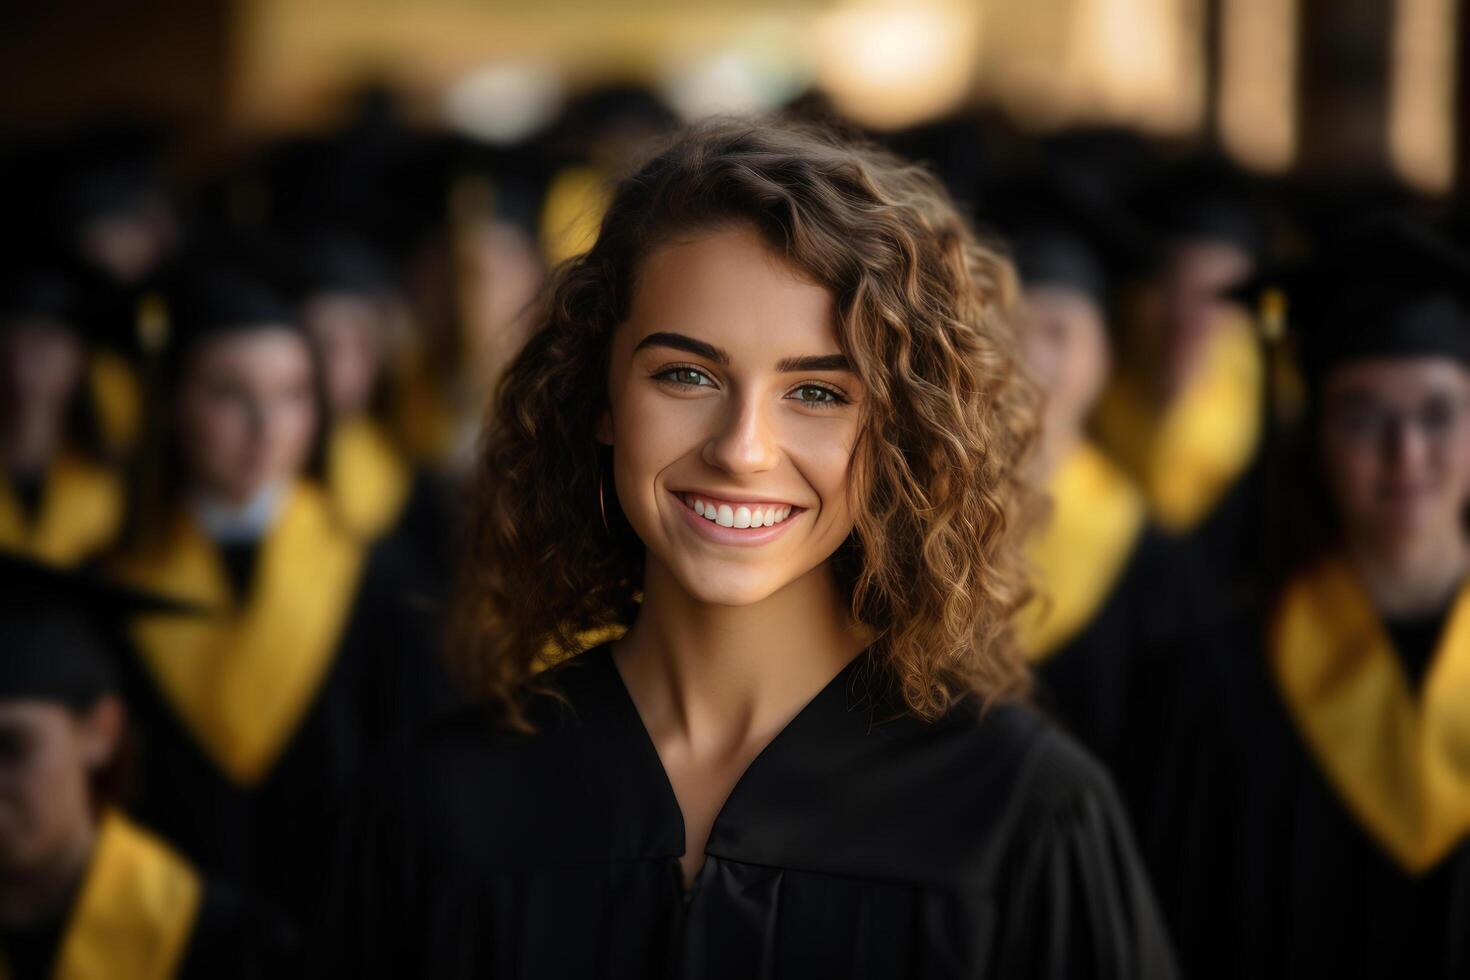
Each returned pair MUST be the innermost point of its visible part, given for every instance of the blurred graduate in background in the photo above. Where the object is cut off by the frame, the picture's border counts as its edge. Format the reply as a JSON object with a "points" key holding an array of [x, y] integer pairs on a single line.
{"points": [[61, 500], [1185, 412], [1336, 730], [1118, 598], [350, 305], [258, 715], [84, 891]]}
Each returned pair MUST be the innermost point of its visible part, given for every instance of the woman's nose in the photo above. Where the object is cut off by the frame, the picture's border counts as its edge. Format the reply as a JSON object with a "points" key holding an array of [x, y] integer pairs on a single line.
{"points": [[744, 442]]}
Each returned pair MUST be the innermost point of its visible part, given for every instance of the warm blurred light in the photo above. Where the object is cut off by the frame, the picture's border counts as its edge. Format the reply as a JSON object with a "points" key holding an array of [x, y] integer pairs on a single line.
{"points": [[1139, 59], [765, 67], [1064, 62], [1258, 66], [892, 64], [1421, 121], [503, 103]]}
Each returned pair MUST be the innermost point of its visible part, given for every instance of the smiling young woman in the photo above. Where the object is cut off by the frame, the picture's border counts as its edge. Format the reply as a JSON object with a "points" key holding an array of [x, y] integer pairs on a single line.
{"points": [[773, 423]]}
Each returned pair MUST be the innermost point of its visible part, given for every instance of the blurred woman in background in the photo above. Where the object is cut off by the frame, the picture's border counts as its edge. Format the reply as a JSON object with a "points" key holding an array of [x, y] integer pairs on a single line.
{"points": [[349, 305], [256, 717], [1338, 836], [1117, 598], [59, 499], [1184, 415]]}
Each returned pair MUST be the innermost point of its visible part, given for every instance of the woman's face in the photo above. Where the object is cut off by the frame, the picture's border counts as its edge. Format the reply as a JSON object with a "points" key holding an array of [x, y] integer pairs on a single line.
{"points": [[1067, 352], [47, 755], [1396, 445], [247, 411], [41, 364], [350, 333], [733, 418]]}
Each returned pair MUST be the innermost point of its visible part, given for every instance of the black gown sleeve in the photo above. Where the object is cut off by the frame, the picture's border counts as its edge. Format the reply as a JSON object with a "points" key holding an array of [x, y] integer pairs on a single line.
{"points": [[1083, 906]]}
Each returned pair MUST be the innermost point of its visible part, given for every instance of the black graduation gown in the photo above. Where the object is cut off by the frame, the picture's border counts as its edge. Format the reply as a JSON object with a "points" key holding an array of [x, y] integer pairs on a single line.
{"points": [[1226, 406], [852, 846], [1261, 864], [1101, 682], [273, 835], [382, 496], [1119, 602]]}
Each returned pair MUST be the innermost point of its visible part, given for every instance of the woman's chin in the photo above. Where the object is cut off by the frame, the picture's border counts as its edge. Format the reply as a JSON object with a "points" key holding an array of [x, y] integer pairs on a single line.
{"points": [[741, 588]]}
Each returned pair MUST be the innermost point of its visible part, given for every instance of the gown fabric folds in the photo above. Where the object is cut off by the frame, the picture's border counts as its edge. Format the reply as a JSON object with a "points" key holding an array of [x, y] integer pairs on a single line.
{"points": [[859, 843]]}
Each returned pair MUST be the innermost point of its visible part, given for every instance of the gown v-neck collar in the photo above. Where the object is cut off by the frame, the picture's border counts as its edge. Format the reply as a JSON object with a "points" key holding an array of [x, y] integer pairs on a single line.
{"points": [[720, 828], [834, 792]]}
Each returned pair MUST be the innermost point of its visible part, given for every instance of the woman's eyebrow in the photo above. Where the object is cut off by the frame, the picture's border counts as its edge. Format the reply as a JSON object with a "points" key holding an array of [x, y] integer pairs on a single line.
{"points": [[822, 362], [679, 341], [689, 345]]}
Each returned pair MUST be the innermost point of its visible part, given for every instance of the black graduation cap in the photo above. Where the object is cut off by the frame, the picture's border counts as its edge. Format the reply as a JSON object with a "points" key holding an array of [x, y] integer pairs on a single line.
{"points": [[55, 288], [327, 261], [1390, 287], [1207, 198], [109, 166], [211, 296], [1063, 232], [59, 630]]}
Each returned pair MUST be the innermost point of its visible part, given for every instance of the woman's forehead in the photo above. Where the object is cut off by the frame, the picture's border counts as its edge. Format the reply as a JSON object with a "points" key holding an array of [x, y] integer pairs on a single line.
{"points": [[1398, 378], [729, 289]]}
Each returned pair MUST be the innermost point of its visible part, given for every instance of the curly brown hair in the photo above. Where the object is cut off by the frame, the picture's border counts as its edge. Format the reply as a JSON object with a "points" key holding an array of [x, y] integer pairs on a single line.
{"points": [[940, 496]]}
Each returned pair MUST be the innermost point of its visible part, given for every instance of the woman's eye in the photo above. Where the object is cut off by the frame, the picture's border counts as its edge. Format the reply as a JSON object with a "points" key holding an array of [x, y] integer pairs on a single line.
{"points": [[818, 395], [686, 377]]}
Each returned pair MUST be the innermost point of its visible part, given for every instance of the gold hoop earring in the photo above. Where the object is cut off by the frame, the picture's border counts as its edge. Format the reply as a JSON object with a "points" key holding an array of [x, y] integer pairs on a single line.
{"points": [[601, 505]]}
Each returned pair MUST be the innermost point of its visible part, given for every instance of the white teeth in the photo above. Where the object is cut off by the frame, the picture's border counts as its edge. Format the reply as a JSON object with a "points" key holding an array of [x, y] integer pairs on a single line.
{"points": [[739, 515]]}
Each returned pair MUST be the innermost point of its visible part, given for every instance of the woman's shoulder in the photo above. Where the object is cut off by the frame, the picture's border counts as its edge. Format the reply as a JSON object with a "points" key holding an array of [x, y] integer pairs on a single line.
{"points": [[853, 790], [468, 784], [566, 707], [1024, 766]]}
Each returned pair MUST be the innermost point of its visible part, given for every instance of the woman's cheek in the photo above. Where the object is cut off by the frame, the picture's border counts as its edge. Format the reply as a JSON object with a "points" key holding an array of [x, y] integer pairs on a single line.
{"points": [[822, 450], [303, 427]]}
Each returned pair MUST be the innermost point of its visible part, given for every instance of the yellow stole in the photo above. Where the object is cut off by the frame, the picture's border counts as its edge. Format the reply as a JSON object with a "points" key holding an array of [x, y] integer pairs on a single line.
{"points": [[1400, 763], [135, 912], [81, 507], [572, 215], [243, 680], [117, 398], [1188, 456], [1096, 519], [367, 477]]}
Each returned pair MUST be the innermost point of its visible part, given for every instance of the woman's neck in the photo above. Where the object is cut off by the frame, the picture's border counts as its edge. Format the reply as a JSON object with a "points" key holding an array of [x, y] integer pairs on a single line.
{"points": [[230, 519], [721, 678], [1415, 575], [1056, 447], [31, 896], [30, 442]]}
